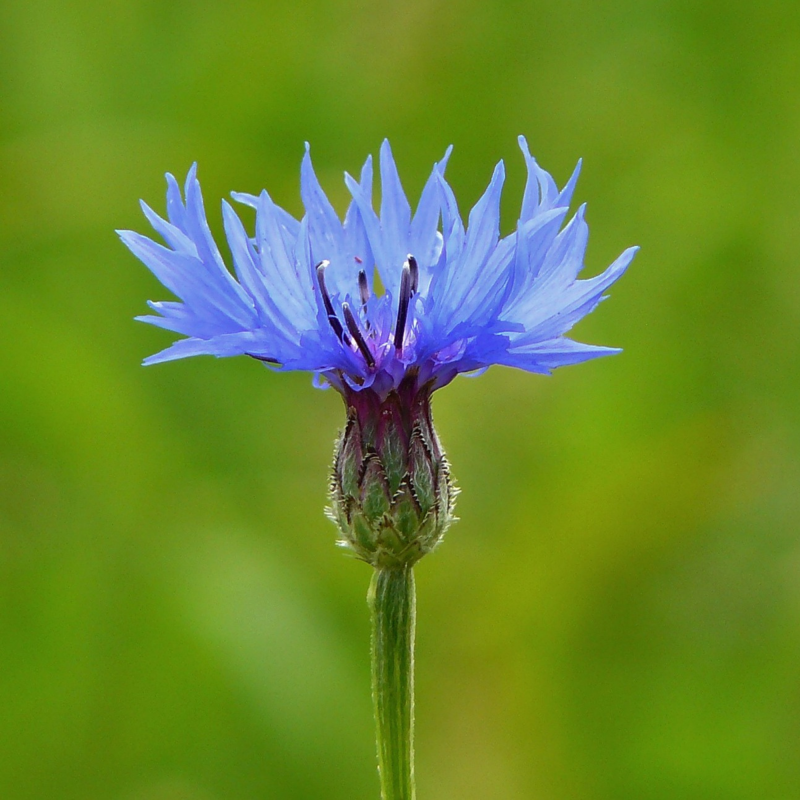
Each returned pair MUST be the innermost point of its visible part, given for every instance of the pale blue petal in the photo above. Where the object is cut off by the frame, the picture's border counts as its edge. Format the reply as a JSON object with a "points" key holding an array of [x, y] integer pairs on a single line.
{"points": [[541, 192], [325, 234], [357, 243], [565, 195], [425, 241], [197, 229], [395, 217], [467, 281], [545, 356]]}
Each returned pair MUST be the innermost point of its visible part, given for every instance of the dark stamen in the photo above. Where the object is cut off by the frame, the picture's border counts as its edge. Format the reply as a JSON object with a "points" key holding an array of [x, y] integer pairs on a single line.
{"points": [[412, 263], [402, 306], [352, 326], [363, 287], [265, 359], [326, 301], [363, 290]]}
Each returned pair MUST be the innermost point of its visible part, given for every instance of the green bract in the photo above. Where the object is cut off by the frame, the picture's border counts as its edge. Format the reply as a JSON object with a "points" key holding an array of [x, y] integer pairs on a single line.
{"points": [[391, 492]]}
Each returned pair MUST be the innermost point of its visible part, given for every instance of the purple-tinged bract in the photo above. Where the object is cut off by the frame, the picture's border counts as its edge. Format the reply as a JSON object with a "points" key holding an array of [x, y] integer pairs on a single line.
{"points": [[303, 296]]}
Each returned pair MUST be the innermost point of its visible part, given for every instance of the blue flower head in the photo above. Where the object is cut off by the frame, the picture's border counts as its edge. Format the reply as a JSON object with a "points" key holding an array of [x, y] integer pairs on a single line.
{"points": [[386, 306], [305, 294]]}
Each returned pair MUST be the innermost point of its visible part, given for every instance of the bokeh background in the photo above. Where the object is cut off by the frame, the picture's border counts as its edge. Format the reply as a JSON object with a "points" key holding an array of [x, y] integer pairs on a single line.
{"points": [[616, 615]]}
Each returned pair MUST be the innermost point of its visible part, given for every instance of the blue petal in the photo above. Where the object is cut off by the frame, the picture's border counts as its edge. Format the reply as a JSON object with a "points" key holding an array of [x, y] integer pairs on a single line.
{"points": [[244, 262], [355, 231], [545, 356], [564, 260], [541, 192], [176, 211], [565, 196], [324, 229], [289, 289], [483, 230], [425, 241], [395, 219], [285, 218], [372, 226], [533, 239], [185, 277], [197, 229], [232, 344], [171, 234], [546, 314], [467, 281], [178, 317]]}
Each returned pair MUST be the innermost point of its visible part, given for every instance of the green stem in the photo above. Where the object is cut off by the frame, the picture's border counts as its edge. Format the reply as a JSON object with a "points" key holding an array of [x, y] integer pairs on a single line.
{"points": [[392, 601]]}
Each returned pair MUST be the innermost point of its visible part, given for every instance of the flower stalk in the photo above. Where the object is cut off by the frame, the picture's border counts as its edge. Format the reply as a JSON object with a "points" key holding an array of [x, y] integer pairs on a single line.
{"points": [[392, 498], [392, 602]]}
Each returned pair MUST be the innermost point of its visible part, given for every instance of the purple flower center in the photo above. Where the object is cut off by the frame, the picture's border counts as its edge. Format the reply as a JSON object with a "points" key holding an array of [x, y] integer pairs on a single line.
{"points": [[350, 333]]}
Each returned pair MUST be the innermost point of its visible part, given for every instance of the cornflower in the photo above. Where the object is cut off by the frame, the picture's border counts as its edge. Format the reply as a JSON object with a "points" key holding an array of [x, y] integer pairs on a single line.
{"points": [[307, 295]]}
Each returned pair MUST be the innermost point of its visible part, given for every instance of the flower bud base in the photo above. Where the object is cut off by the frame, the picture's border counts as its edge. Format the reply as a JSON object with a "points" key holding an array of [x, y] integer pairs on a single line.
{"points": [[391, 493]]}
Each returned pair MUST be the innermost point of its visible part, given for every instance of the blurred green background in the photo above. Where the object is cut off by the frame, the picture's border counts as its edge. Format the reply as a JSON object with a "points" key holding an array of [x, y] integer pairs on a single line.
{"points": [[616, 615]]}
